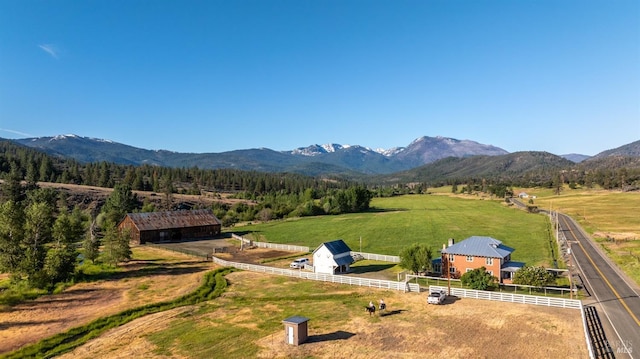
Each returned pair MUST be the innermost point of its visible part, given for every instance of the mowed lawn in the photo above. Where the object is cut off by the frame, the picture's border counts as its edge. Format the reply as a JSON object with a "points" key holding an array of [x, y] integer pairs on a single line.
{"points": [[397, 222]]}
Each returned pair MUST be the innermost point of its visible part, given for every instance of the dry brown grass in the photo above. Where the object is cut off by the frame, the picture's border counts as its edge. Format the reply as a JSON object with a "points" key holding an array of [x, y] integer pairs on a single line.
{"points": [[465, 328], [176, 274]]}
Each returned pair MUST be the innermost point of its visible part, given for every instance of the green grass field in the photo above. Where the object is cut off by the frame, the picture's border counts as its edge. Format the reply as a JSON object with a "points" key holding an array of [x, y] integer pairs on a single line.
{"points": [[397, 222]]}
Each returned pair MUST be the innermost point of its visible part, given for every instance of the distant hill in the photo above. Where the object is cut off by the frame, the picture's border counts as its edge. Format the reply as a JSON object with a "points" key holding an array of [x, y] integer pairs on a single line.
{"points": [[517, 165], [575, 158], [426, 150], [630, 150], [337, 159], [617, 168]]}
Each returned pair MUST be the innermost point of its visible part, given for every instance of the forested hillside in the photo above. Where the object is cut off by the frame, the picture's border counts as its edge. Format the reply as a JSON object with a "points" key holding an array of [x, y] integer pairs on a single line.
{"points": [[275, 195]]}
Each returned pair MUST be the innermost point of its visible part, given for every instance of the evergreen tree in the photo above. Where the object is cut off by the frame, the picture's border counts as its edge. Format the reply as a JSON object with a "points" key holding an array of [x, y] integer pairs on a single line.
{"points": [[120, 202], [37, 233], [116, 246], [11, 237], [91, 244], [60, 262]]}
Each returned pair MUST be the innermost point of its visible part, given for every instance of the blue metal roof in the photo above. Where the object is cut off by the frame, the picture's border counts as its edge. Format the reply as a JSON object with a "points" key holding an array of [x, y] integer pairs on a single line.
{"points": [[479, 246], [337, 247], [344, 260]]}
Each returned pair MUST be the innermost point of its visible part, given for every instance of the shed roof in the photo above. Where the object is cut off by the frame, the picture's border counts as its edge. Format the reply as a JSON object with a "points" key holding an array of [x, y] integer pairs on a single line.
{"points": [[479, 246], [296, 319], [173, 219], [336, 247]]}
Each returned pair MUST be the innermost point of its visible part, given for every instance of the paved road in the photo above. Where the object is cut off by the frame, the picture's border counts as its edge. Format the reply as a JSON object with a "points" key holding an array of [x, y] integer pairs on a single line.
{"points": [[615, 296]]}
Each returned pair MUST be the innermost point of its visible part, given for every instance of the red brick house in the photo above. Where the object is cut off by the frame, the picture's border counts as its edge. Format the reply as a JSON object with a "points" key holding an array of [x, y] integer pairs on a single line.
{"points": [[170, 226], [475, 252]]}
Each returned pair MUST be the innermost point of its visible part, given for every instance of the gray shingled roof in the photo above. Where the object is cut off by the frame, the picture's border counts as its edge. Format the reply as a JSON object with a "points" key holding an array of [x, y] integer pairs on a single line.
{"points": [[336, 247], [479, 246], [173, 219]]}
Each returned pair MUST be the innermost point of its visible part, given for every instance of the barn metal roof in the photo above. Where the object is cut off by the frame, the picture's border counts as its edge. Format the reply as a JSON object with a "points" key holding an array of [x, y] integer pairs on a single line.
{"points": [[150, 221], [336, 247], [479, 246], [343, 260]]}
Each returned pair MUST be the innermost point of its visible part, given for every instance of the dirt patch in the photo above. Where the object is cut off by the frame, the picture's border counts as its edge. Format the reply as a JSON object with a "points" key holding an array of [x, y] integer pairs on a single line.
{"points": [[165, 275], [256, 256]]}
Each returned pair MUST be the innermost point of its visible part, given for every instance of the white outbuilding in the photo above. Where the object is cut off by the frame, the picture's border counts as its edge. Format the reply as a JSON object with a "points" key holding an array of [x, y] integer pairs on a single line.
{"points": [[332, 258]]}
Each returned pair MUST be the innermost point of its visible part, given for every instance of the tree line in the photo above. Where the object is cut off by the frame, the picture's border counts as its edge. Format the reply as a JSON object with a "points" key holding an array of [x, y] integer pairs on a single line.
{"points": [[40, 237], [617, 173]]}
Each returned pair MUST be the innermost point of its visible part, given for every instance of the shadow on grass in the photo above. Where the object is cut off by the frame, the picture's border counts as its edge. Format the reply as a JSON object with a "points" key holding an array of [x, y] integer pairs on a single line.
{"points": [[370, 268], [9, 325], [450, 299], [73, 295], [386, 313], [382, 210], [337, 335]]}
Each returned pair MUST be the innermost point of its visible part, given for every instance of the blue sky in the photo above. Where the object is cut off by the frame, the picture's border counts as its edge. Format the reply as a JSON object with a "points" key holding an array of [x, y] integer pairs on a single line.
{"points": [[214, 76]]}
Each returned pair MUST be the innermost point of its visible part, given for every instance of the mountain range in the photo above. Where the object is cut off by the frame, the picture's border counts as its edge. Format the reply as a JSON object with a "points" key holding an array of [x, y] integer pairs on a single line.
{"points": [[460, 156]]}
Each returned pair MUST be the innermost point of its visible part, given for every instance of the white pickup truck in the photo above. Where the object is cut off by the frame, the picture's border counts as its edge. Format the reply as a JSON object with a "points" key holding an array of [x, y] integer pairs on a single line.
{"points": [[436, 297]]}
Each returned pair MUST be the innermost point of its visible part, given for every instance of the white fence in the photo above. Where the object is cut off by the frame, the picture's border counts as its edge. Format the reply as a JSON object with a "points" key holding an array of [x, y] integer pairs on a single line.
{"points": [[377, 257], [284, 247], [512, 298], [364, 282], [502, 287]]}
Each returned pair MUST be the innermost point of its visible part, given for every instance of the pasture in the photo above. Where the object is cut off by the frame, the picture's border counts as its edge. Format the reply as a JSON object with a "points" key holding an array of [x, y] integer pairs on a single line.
{"points": [[611, 218], [246, 322], [397, 222]]}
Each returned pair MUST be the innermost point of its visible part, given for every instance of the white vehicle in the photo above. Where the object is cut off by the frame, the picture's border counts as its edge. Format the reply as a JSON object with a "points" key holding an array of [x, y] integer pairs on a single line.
{"points": [[299, 263], [436, 297]]}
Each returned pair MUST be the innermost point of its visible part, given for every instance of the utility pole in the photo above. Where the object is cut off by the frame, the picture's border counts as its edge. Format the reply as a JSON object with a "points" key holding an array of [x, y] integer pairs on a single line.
{"points": [[570, 276], [445, 266], [360, 244]]}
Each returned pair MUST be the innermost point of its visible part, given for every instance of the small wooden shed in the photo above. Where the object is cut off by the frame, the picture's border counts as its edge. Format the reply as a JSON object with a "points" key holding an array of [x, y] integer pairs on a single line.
{"points": [[296, 330]]}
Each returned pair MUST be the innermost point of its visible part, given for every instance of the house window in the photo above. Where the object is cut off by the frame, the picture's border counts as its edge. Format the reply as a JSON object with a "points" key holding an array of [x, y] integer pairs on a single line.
{"points": [[490, 272], [489, 261], [451, 257], [468, 270], [469, 258], [452, 270]]}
